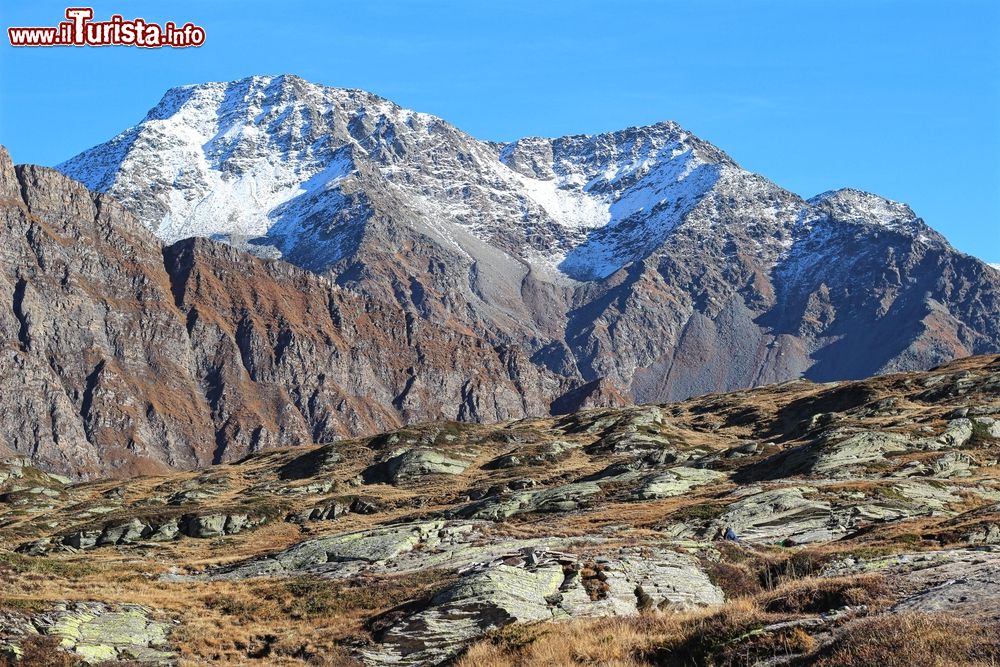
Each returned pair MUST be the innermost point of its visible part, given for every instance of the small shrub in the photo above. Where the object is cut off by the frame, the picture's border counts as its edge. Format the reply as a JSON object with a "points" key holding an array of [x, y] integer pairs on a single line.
{"points": [[737, 580], [41, 651], [815, 595]]}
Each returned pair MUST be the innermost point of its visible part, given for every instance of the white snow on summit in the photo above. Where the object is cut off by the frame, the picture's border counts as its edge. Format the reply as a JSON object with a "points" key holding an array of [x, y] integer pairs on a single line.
{"points": [[248, 159], [864, 207], [296, 169]]}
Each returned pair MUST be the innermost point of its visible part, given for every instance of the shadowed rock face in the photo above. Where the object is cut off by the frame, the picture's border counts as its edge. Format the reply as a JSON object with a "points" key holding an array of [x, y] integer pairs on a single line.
{"points": [[644, 262], [121, 356]]}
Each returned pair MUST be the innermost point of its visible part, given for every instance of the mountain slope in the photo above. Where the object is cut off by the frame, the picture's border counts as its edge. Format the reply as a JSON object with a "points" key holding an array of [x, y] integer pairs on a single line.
{"points": [[122, 356], [645, 258]]}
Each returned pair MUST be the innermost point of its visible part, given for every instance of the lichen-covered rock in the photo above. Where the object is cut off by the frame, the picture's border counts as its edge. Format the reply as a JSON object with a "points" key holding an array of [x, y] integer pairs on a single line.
{"points": [[128, 532], [989, 426], [565, 498], [324, 512], [635, 580], [412, 465], [363, 546], [479, 602], [535, 585], [835, 454], [536, 455], [675, 482], [96, 632], [961, 581], [218, 524], [784, 515], [956, 434], [926, 496], [946, 466]]}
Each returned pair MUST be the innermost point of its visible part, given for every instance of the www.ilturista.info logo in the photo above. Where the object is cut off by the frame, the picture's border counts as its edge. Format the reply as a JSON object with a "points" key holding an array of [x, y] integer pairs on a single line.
{"points": [[81, 30]]}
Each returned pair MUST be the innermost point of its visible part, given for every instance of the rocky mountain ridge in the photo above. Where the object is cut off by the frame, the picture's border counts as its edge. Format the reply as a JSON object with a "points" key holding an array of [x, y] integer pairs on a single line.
{"points": [[645, 259], [123, 356]]}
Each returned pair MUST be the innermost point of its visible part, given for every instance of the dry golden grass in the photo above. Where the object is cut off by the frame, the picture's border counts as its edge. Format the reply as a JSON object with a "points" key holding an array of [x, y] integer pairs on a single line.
{"points": [[905, 640], [728, 635], [619, 642], [734, 636]]}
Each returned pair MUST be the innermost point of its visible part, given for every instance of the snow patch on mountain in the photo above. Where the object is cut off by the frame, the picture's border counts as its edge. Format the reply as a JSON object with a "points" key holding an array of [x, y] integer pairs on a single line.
{"points": [[292, 169], [859, 207], [262, 161]]}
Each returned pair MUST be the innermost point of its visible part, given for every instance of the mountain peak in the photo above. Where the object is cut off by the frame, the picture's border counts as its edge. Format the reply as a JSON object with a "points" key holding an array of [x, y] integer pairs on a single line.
{"points": [[235, 160], [858, 206]]}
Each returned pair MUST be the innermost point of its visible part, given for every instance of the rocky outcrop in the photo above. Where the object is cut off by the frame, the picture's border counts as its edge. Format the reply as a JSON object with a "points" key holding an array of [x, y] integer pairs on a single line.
{"points": [[479, 602], [157, 529], [93, 632], [949, 580], [836, 453], [566, 498], [411, 465], [782, 516], [539, 585], [674, 482]]}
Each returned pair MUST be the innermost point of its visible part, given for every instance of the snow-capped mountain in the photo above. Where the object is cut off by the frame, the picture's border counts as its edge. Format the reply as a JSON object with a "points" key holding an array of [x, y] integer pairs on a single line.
{"points": [[266, 160], [646, 257]]}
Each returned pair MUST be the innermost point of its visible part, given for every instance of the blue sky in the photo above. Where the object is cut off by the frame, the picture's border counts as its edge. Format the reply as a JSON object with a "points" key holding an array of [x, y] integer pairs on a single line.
{"points": [[901, 98]]}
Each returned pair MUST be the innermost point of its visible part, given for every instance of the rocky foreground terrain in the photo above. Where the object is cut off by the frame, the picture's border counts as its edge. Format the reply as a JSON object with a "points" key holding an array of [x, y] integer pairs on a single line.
{"points": [[867, 512]]}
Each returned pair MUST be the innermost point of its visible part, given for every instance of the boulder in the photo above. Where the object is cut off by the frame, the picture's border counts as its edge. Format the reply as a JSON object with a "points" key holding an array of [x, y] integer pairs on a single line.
{"points": [[83, 539], [322, 512], [781, 516], [411, 465], [165, 531], [97, 633], [128, 532], [675, 482], [565, 498], [984, 534], [209, 525]]}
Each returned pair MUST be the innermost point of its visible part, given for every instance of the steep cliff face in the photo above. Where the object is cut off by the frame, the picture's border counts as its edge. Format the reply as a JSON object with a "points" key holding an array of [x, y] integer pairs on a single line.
{"points": [[121, 356], [644, 258]]}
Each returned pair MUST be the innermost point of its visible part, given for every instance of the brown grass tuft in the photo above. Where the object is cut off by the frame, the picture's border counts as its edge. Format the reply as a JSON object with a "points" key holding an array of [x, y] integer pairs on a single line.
{"points": [[902, 640], [817, 594]]}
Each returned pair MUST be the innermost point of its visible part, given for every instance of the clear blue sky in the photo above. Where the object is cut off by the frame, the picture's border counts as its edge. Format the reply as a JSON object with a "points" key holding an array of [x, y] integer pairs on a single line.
{"points": [[901, 98]]}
